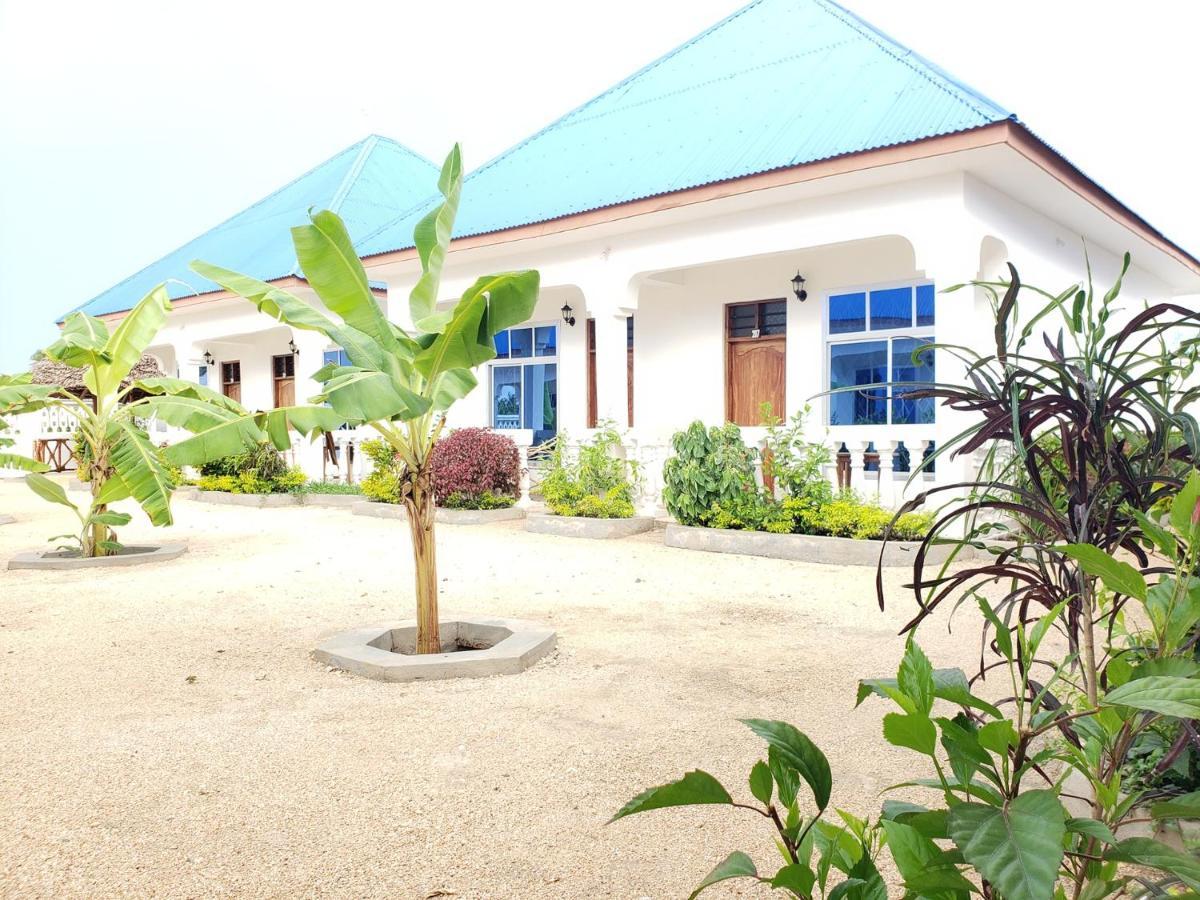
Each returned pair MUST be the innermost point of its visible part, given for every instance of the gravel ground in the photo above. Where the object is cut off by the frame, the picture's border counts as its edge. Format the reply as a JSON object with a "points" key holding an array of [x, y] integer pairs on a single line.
{"points": [[165, 733]]}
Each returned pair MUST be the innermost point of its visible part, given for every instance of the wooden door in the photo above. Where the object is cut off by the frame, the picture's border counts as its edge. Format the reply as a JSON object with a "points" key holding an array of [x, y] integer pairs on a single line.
{"points": [[591, 371], [756, 373], [284, 370], [231, 380]]}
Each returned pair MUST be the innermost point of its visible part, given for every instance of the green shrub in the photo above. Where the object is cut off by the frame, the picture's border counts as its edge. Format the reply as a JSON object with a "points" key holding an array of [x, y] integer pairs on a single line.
{"points": [[845, 516], [250, 482], [710, 466], [382, 484], [599, 484], [796, 464], [486, 500], [331, 487]]}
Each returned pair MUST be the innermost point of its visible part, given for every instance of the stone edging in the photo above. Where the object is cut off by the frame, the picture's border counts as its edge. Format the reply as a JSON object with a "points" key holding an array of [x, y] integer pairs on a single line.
{"points": [[516, 645], [46, 560], [442, 516], [595, 529], [813, 548], [273, 501]]}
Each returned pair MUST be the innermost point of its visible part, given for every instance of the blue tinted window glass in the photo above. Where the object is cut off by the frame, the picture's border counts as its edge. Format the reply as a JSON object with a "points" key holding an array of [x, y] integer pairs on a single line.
{"points": [[847, 312], [892, 308], [330, 356], [541, 401], [202, 376], [906, 371], [925, 304], [858, 364], [545, 340], [506, 397], [501, 341], [521, 343]]}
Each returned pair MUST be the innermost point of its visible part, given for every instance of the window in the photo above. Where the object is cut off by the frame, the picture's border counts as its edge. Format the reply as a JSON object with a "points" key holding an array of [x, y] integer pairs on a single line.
{"points": [[875, 338], [337, 357], [202, 376], [755, 360], [231, 380], [524, 381], [284, 370]]}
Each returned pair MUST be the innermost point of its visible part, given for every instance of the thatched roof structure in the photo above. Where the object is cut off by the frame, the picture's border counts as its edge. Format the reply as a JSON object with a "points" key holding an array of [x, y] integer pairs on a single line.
{"points": [[47, 371]]}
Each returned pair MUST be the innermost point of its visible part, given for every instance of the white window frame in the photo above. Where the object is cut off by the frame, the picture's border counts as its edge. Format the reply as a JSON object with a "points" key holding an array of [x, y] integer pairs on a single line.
{"points": [[919, 332], [493, 364]]}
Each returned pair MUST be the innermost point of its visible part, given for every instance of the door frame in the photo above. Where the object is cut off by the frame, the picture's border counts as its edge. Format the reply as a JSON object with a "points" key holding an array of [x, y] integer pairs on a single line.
{"points": [[276, 380], [730, 340], [224, 384]]}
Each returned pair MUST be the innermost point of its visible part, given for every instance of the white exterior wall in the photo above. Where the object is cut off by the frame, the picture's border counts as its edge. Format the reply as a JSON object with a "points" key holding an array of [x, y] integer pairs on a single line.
{"points": [[676, 269]]}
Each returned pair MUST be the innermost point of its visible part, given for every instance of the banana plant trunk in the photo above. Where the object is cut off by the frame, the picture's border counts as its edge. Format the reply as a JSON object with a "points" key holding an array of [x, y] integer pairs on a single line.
{"points": [[96, 535], [419, 504]]}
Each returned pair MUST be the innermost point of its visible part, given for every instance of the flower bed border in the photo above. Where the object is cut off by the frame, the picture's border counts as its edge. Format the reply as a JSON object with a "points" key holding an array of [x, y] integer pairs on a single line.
{"points": [[593, 529], [274, 501], [812, 548], [443, 516]]}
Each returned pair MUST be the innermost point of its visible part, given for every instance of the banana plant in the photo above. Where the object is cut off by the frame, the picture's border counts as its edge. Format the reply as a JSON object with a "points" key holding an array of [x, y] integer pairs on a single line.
{"points": [[398, 383], [116, 455]]}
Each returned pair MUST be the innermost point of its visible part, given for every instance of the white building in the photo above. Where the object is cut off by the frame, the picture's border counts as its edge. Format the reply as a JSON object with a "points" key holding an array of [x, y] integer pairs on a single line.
{"points": [[672, 213]]}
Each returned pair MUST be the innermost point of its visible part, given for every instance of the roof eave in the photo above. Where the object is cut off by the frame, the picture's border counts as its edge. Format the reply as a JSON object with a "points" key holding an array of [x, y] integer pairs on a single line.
{"points": [[1007, 132]]}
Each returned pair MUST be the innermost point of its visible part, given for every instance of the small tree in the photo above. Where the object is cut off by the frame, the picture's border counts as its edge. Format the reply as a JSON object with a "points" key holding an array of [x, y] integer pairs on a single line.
{"points": [[399, 384], [121, 460]]}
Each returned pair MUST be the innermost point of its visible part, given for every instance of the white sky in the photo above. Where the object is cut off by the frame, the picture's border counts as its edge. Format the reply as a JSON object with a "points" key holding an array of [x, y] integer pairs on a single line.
{"points": [[129, 127]]}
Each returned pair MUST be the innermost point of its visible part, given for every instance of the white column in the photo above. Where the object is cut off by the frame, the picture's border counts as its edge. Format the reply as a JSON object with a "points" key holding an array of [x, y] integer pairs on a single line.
{"points": [[857, 473], [612, 392], [189, 358], [887, 484], [950, 255]]}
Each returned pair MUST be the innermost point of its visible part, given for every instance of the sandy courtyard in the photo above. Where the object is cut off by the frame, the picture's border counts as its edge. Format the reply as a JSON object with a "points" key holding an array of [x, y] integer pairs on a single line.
{"points": [[163, 731]]}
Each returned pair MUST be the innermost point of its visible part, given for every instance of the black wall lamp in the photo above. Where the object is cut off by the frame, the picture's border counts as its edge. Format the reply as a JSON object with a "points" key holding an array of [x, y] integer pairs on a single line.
{"points": [[208, 358], [292, 346], [567, 314], [798, 288]]}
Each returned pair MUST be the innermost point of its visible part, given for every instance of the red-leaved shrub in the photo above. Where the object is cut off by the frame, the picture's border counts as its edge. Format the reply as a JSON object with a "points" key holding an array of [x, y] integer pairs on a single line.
{"points": [[474, 460]]}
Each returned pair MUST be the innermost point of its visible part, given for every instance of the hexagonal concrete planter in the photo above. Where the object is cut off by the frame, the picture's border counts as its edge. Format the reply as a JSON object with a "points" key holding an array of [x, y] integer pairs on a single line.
{"points": [[443, 516], [596, 529], [836, 551], [474, 647], [129, 556]]}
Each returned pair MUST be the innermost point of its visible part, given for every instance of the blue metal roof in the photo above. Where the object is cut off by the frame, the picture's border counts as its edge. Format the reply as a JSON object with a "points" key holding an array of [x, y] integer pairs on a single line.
{"points": [[776, 84], [367, 184]]}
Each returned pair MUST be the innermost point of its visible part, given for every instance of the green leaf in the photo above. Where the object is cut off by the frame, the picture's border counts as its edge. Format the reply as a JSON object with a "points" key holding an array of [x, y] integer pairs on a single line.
{"points": [[787, 779], [1119, 577], [49, 490], [81, 342], [1184, 504], [307, 420], [693, 789], [130, 340], [21, 463], [184, 412], [1000, 631], [939, 880], [363, 396], [1156, 855], [331, 265], [915, 678], [227, 439], [491, 304], [1166, 694], [736, 865], [1018, 848], [912, 731], [761, 783], [1159, 536], [911, 850], [138, 464], [111, 518], [1092, 828], [948, 684], [432, 240], [797, 878], [998, 736], [797, 751], [1186, 806]]}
